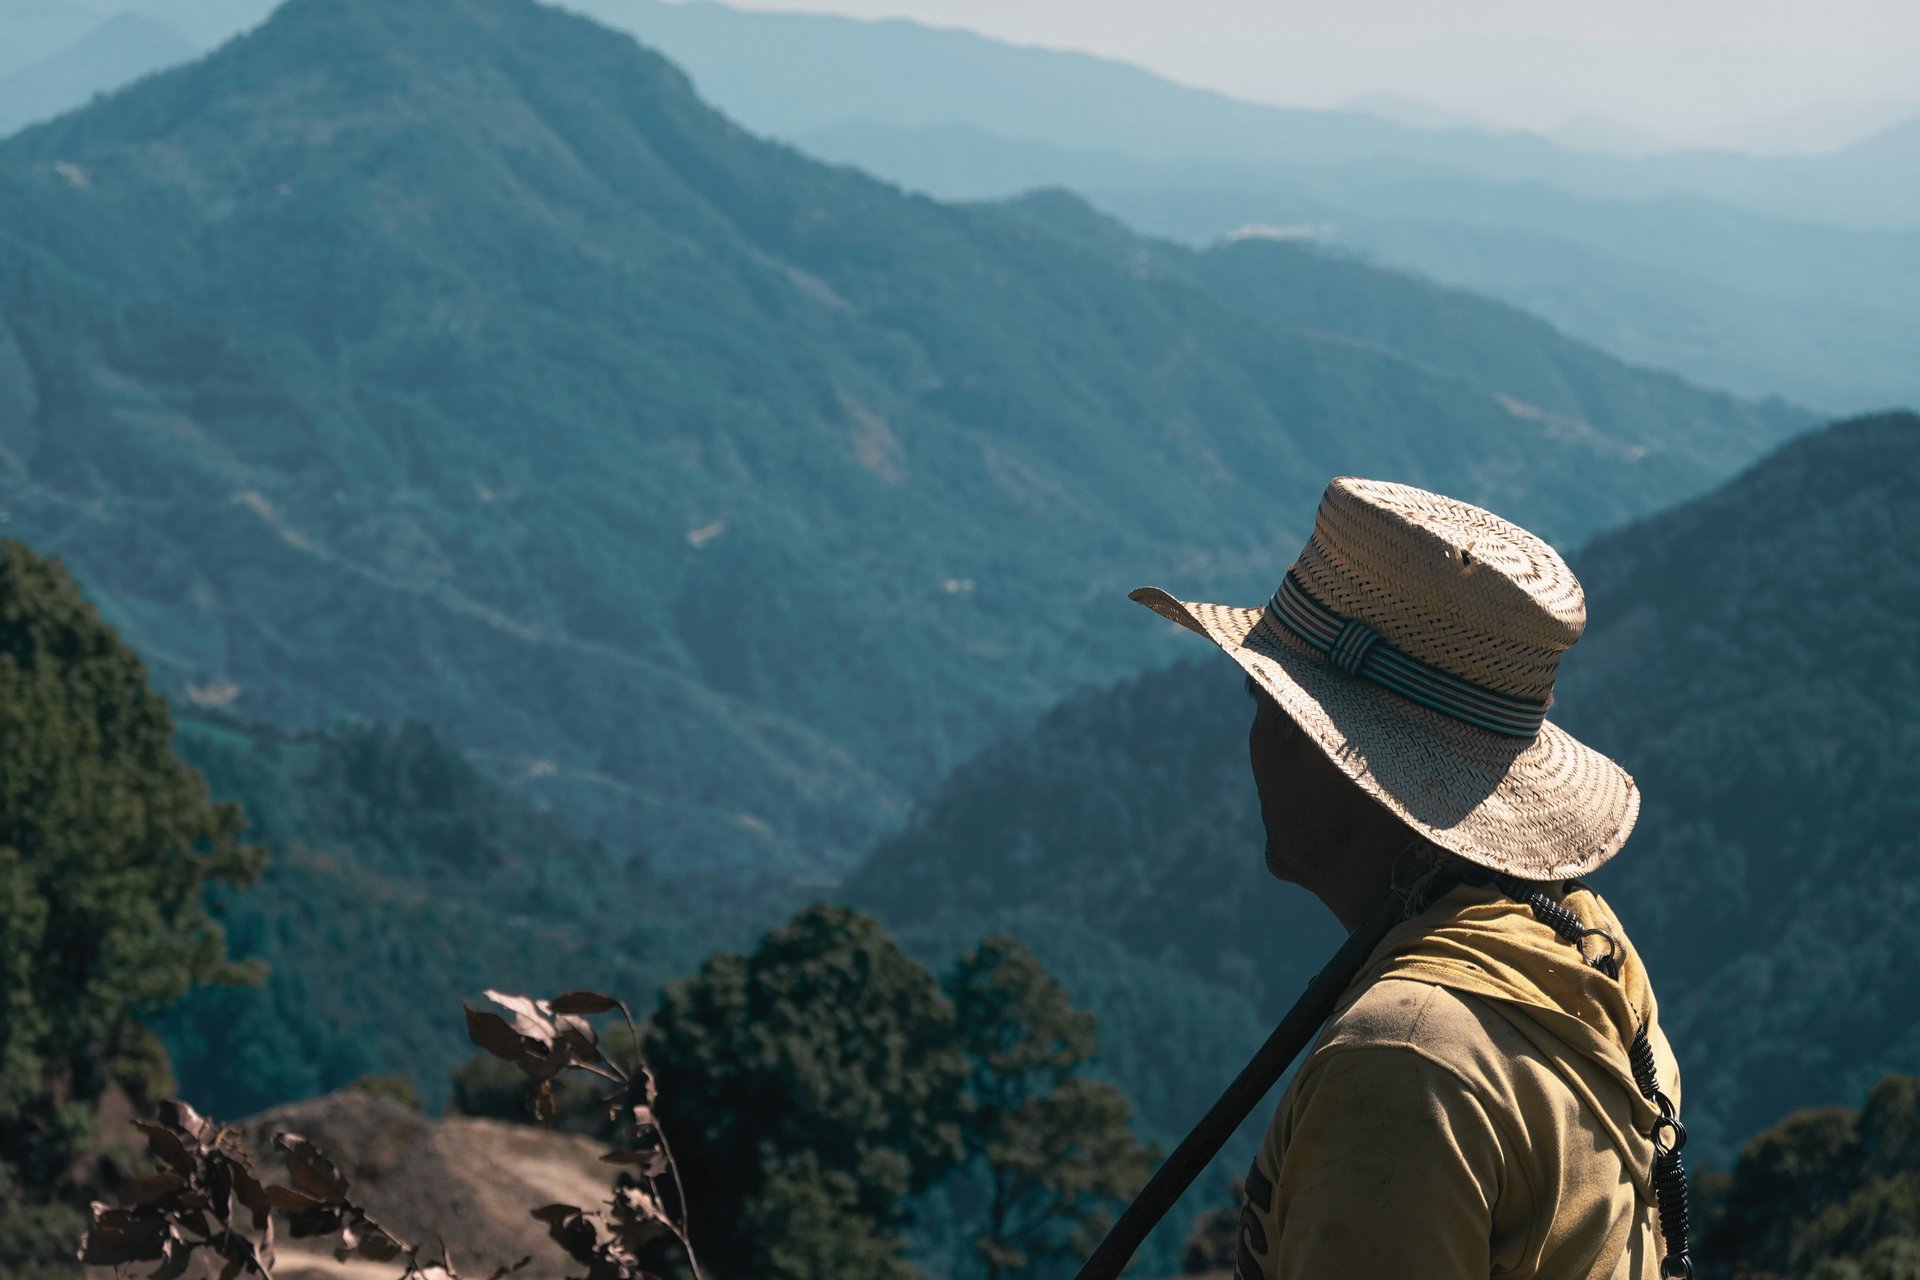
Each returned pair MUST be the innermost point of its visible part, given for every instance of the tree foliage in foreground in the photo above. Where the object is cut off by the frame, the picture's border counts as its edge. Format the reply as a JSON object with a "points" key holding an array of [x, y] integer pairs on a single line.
{"points": [[1056, 1149], [809, 1089], [1828, 1194], [813, 1087], [106, 841], [1213, 1243]]}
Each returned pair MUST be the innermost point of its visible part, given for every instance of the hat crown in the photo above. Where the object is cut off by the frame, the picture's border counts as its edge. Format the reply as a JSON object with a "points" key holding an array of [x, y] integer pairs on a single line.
{"points": [[1450, 584]]}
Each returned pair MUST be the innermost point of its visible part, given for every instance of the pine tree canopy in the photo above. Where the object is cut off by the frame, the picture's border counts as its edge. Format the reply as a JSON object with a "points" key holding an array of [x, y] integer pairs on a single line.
{"points": [[106, 841]]}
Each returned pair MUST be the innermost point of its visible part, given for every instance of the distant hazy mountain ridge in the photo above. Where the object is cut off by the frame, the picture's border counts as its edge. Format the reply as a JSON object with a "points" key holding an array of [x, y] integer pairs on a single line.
{"points": [[1783, 274], [120, 50], [911, 76]]}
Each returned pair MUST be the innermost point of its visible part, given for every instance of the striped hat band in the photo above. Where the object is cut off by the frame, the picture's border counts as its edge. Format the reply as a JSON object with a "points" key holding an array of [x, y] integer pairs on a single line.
{"points": [[1356, 649]]}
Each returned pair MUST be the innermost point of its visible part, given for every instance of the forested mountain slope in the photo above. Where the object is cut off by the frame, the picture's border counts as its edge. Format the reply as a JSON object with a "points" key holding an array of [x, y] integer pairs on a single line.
{"points": [[1749, 660], [1753, 662], [1562, 387], [452, 360], [400, 881]]}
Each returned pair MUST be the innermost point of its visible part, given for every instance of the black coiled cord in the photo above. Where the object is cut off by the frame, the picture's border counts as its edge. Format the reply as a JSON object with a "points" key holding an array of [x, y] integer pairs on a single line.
{"points": [[1669, 1168], [1670, 1193], [1645, 1073], [1563, 922], [1668, 1134]]}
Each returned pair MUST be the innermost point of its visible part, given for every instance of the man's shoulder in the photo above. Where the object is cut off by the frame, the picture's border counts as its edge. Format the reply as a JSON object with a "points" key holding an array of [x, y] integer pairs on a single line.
{"points": [[1455, 1029]]}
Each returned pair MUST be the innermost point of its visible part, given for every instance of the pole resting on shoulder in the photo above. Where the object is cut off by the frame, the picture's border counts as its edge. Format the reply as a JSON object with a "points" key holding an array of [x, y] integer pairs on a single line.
{"points": [[1171, 1180]]}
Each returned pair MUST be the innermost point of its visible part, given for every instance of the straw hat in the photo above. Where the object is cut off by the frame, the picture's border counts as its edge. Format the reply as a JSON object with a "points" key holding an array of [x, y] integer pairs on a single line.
{"points": [[1415, 640]]}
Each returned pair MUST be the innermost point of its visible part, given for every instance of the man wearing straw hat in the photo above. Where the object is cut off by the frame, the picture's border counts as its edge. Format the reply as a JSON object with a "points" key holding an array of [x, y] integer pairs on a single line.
{"points": [[1493, 1094]]}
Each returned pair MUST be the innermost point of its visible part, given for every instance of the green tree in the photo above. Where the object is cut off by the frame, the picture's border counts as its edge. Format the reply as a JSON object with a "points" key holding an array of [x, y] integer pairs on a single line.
{"points": [[1896, 1259], [1056, 1147], [807, 1221], [1213, 1245], [816, 1083], [106, 842], [1830, 1194]]}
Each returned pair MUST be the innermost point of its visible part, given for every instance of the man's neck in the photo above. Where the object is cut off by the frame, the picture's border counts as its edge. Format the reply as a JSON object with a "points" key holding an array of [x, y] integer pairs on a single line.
{"points": [[1352, 886]]}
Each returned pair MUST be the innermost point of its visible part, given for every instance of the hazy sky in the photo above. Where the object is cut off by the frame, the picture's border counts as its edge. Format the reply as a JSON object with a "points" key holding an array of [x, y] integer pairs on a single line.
{"points": [[1677, 69]]}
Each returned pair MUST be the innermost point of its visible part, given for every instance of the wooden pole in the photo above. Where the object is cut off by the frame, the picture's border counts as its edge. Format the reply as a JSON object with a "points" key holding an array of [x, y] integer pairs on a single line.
{"points": [[1199, 1147]]}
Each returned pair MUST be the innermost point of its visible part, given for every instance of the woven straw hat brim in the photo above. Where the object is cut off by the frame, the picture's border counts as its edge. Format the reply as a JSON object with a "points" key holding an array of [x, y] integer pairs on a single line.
{"points": [[1546, 808]]}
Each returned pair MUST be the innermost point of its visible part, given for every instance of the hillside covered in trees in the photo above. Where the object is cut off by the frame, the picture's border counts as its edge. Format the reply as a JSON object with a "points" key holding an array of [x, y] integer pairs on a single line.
{"points": [[1749, 659], [453, 361], [1830, 1193], [107, 842], [400, 879], [1753, 663]]}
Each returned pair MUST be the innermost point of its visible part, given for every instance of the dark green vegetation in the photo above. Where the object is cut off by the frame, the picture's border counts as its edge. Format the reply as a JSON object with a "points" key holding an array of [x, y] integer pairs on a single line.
{"points": [[452, 361], [1786, 275], [106, 840], [808, 1089], [1051, 1149], [400, 880], [814, 1087], [1750, 659], [811, 1088], [1120, 841], [1832, 1194], [1754, 660]]}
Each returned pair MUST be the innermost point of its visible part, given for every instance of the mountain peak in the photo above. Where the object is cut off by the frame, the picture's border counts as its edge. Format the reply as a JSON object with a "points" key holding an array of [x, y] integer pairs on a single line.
{"points": [[353, 120], [333, 67], [524, 40], [421, 26]]}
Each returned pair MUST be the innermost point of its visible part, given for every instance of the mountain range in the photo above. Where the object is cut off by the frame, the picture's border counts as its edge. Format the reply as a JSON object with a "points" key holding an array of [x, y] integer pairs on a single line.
{"points": [[1749, 660], [911, 76], [722, 498], [1778, 275], [1783, 273]]}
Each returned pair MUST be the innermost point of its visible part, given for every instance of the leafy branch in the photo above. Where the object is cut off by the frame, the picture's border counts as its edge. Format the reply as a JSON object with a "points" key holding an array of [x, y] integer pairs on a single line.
{"points": [[207, 1199], [547, 1037]]}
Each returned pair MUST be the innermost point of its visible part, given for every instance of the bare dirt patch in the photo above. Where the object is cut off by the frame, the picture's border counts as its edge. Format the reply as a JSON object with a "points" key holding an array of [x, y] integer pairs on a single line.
{"points": [[466, 1181]]}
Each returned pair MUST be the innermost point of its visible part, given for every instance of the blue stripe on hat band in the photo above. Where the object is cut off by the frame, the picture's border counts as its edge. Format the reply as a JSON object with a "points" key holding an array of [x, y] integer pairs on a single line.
{"points": [[1353, 647]]}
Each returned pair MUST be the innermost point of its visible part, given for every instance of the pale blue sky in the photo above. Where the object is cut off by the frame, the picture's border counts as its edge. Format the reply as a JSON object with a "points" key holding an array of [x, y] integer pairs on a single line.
{"points": [[1680, 70]]}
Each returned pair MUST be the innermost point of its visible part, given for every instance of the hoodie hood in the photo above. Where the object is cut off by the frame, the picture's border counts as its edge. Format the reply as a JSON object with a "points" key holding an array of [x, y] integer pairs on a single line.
{"points": [[1478, 941]]}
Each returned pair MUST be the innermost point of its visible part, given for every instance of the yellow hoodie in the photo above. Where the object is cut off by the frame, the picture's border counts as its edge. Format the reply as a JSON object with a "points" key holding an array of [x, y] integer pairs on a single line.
{"points": [[1469, 1111]]}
